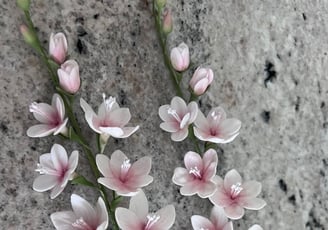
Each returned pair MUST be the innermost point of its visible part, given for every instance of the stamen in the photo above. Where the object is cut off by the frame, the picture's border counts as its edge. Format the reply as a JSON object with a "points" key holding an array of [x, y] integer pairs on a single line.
{"points": [[152, 219], [81, 224], [125, 167], [236, 189], [108, 102], [34, 108], [184, 120], [40, 169], [196, 172], [216, 115], [174, 113]]}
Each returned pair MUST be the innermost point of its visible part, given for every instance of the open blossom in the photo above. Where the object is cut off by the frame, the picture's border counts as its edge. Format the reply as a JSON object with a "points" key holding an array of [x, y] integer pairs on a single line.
{"points": [[180, 57], [83, 216], [69, 76], [58, 47], [201, 79], [256, 227], [199, 174], [177, 117], [234, 195], [122, 176], [137, 216], [52, 118], [55, 169], [110, 120], [216, 127], [217, 221]]}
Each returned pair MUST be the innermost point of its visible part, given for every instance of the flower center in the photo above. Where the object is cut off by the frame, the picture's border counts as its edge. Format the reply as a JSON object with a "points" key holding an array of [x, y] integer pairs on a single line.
{"points": [[109, 102], [235, 190], [42, 170], [125, 166], [81, 224], [196, 172], [174, 114], [152, 219]]}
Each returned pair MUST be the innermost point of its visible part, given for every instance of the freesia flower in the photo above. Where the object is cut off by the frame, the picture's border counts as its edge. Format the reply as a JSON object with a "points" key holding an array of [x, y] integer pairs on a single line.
{"points": [[216, 128], [69, 77], [177, 117], [256, 227], [55, 169], [110, 120], [122, 176], [138, 218], [58, 47], [199, 174], [51, 116], [201, 79], [234, 195], [83, 216], [180, 57], [217, 221]]}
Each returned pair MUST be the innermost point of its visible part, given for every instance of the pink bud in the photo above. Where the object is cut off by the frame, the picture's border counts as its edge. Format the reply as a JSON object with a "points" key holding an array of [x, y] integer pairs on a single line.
{"points": [[201, 79], [58, 47], [69, 77], [180, 57], [27, 34], [167, 22]]}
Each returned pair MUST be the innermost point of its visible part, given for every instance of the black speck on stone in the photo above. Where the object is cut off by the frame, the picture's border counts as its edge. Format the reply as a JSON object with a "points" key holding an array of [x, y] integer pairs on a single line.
{"points": [[322, 104], [79, 20], [81, 31], [11, 154], [80, 46], [304, 16], [325, 163], [266, 116], [122, 97], [292, 199], [283, 185], [96, 16], [313, 222], [322, 173], [271, 74], [297, 104], [4, 127]]}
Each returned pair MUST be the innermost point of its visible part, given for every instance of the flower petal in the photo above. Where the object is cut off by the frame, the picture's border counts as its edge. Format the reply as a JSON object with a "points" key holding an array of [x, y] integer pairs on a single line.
{"points": [[116, 162], [163, 113], [139, 205], [128, 131], [234, 212], [193, 110], [253, 203], [59, 157], [220, 197], [200, 222], [40, 130], [128, 220], [44, 182], [251, 189], [206, 189], [61, 127], [189, 189], [170, 126], [103, 165], [101, 213], [192, 160], [63, 220], [113, 131], [210, 161], [180, 135], [231, 178], [229, 127], [73, 161], [218, 217], [55, 191], [44, 112], [120, 117], [140, 167], [215, 116], [255, 227], [181, 176], [179, 105], [167, 218], [83, 209], [58, 104]]}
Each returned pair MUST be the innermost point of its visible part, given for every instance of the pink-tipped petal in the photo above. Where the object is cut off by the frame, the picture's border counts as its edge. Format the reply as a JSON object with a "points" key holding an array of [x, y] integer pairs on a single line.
{"points": [[179, 105], [201, 86], [116, 161], [218, 217], [101, 212], [210, 161], [58, 104], [140, 167], [200, 222], [231, 178], [40, 130], [59, 157], [206, 190], [180, 135], [170, 126], [57, 190], [83, 209], [192, 159], [44, 182], [139, 205], [127, 220], [61, 128], [234, 212], [220, 198], [44, 114]]}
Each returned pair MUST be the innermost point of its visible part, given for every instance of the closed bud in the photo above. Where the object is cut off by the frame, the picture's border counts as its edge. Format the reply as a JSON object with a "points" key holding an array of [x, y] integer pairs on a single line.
{"points": [[167, 22], [160, 3], [24, 4], [28, 35], [58, 47], [201, 79], [180, 57], [69, 76]]}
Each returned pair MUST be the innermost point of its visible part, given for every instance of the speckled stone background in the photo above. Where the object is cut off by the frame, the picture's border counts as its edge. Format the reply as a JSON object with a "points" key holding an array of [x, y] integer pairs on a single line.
{"points": [[271, 65]]}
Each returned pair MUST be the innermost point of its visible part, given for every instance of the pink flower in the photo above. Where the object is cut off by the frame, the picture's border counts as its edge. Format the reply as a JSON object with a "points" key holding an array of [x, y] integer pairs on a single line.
{"points": [[58, 47], [56, 170], [138, 218], [177, 117], [51, 117], [83, 216], [256, 227], [122, 176], [217, 221], [234, 195], [69, 77], [180, 57], [201, 79], [110, 119], [216, 128], [199, 174]]}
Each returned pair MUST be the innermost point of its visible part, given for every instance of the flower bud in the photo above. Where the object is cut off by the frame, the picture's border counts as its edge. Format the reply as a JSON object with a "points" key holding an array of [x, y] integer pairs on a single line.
{"points": [[201, 79], [160, 3], [58, 47], [167, 22], [23, 4], [69, 77], [28, 35], [180, 57]]}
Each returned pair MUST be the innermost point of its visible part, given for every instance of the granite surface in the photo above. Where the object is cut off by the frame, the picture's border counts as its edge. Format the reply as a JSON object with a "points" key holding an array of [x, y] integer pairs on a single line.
{"points": [[270, 63]]}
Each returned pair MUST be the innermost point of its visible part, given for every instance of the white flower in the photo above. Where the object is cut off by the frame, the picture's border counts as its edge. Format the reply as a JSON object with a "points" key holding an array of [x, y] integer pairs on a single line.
{"points": [[180, 57], [51, 116], [55, 169], [83, 216], [201, 79], [69, 76], [58, 47]]}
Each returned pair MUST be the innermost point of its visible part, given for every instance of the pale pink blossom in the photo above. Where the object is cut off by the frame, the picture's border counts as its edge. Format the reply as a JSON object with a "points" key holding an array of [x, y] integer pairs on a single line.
{"points": [[69, 76], [52, 118], [256, 227], [177, 117], [110, 120], [122, 176], [201, 79], [83, 216], [234, 195], [217, 221], [180, 57], [58, 47], [199, 175], [216, 127], [137, 217], [56, 170]]}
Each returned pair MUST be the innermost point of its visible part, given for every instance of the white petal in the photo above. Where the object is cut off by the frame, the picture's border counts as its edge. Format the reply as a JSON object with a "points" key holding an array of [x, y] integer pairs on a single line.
{"points": [[61, 128], [169, 126], [45, 114], [102, 162], [139, 205], [59, 157], [116, 162], [192, 159], [120, 117], [181, 176], [128, 131], [179, 105], [229, 127], [200, 222], [58, 104], [253, 203], [180, 135], [83, 209], [167, 218], [44, 182], [234, 212], [101, 212], [251, 189], [256, 227], [127, 220], [193, 109], [206, 190], [163, 113], [86, 107], [231, 178], [40, 130], [112, 131], [63, 220], [141, 167], [55, 191], [218, 217], [73, 161]]}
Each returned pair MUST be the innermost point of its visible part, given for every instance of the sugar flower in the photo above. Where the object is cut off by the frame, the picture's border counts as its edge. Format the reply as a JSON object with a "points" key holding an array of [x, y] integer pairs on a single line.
{"points": [[58, 47], [83, 216], [122, 176], [180, 57], [216, 128], [201, 79], [217, 221], [199, 174], [52, 118], [256, 227], [138, 218], [177, 117], [55, 169], [234, 195], [110, 120], [69, 77]]}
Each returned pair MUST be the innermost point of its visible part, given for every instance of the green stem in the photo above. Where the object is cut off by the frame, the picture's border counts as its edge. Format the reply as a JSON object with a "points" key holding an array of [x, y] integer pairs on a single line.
{"points": [[209, 145], [192, 136]]}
